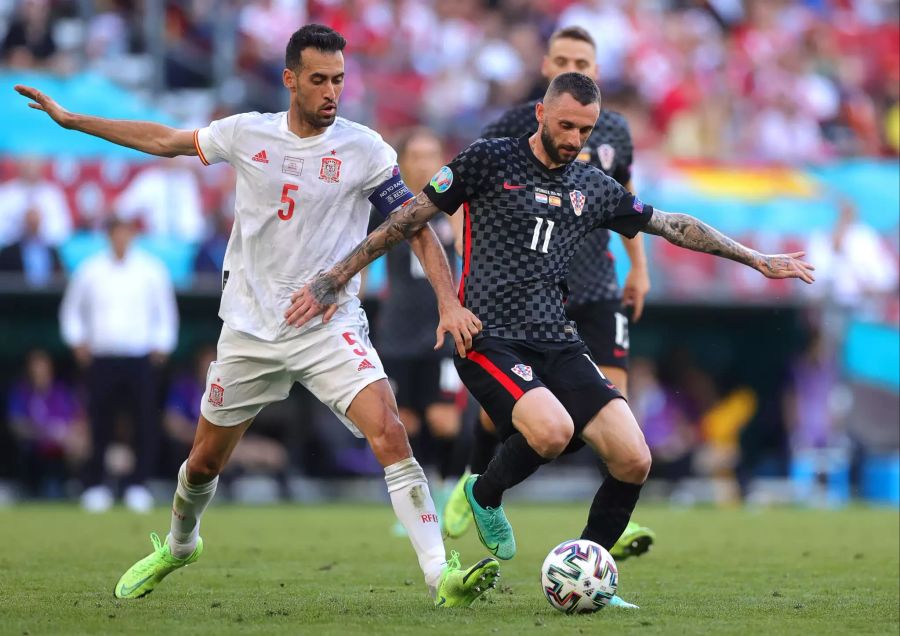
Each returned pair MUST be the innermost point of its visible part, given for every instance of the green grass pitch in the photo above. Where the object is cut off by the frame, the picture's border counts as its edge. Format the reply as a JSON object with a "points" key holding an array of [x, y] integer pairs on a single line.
{"points": [[337, 570]]}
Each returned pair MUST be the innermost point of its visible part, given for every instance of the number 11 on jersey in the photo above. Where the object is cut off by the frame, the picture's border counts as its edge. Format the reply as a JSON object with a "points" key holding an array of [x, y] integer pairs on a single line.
{"points": [[286, 197], [536, 239]]}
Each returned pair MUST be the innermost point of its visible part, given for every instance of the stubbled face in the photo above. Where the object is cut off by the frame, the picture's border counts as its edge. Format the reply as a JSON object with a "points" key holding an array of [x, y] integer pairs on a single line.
{"points": [[316, 86], [422, 157], [564, 125], [566, 55]]}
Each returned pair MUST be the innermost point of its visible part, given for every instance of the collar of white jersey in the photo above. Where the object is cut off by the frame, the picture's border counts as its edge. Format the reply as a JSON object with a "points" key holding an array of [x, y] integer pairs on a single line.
{"points": [[304, 141]]}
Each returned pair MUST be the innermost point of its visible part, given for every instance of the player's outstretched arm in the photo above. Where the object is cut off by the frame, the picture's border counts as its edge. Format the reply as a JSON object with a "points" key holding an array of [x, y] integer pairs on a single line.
{"points": [[691, 233], [320, 294], [149, 137]]}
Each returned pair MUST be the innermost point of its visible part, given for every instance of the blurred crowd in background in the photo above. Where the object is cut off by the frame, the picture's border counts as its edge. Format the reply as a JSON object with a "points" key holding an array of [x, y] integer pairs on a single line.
{"points": [[798, 83]]}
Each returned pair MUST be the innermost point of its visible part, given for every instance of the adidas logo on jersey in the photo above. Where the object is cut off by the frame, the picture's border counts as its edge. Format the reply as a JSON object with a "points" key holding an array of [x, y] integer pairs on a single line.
{"points": [[261, 157], [365, 364]]}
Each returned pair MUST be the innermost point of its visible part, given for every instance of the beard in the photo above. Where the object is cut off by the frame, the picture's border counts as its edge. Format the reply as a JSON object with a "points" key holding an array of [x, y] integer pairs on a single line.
{"points": [[552, 149], [318, 120]]}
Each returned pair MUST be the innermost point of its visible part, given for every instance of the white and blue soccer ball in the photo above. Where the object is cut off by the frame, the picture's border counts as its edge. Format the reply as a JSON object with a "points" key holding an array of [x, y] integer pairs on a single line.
{"points": [[579, 577]]}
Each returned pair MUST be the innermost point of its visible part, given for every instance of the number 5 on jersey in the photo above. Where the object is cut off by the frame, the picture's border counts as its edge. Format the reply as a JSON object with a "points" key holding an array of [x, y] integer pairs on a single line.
{"points": [[286, 197]]}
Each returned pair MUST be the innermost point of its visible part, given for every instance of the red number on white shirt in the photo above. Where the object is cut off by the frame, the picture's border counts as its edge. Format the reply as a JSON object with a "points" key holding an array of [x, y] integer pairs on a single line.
{"points": [[285, 215], [348, 336]]}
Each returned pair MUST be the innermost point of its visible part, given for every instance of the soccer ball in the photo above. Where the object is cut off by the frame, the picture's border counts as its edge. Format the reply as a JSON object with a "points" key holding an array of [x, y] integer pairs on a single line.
{"points": [[579, 576]]}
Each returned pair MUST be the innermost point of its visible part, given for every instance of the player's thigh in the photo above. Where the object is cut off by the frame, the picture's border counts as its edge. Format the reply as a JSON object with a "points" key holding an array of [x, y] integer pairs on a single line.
{"points": [[618, 376], [580, 386], [617, 438], [341, 368], [247, 375], [501, 375], [487, 373]]}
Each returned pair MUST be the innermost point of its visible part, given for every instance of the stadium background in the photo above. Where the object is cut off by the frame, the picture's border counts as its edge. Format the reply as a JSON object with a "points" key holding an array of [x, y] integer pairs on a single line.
{"points": [[769, 119]]}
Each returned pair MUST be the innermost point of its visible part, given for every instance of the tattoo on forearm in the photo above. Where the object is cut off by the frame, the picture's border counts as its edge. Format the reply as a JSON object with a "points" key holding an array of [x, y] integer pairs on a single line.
{"points": [[398, 227], [691, 233]]}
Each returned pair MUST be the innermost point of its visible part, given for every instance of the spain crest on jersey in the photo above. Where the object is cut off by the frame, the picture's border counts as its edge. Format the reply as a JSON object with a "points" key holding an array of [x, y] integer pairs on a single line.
{"points": [[216, 395], [578, 201], [330, 171]]}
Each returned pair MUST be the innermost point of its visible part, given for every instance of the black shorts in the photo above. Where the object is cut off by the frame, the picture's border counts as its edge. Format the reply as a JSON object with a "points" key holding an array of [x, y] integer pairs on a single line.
{"points": [[499, 371], [417, 382], [603, 326]]}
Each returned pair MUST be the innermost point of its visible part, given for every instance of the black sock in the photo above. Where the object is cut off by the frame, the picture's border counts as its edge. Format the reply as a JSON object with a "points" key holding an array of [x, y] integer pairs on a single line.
{"points": [[515, 461], [610, 511], [452, 453], [484, 445]]}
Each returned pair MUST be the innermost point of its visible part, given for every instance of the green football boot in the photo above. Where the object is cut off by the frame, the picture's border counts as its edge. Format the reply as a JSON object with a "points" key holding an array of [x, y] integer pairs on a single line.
{"points": [[493, 528], [634, 541], [457, 515], [142, 577], [460, 588]]}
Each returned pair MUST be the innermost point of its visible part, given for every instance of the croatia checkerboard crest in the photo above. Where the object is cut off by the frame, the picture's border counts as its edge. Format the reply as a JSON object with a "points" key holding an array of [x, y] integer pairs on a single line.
{"points": [[578, 201]]}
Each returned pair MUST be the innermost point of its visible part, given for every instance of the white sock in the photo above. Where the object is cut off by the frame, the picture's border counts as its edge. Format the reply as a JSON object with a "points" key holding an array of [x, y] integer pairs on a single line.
{"points": [[187, 507], [413, 506]]}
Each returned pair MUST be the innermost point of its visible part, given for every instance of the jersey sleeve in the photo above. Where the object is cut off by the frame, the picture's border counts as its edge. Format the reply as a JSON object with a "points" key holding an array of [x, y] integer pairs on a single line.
{"points": [[384, 186], [215, 143], [460, 180], [621, 211]]}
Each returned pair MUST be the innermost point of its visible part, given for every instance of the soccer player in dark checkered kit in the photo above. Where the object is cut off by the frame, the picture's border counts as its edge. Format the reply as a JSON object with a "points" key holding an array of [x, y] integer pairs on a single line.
{"points": [[595, 302], [528, 207]]}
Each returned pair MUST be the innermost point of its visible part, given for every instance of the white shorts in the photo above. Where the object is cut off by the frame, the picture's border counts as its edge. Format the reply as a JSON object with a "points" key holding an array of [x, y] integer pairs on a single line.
{"points": [[334, 361]]}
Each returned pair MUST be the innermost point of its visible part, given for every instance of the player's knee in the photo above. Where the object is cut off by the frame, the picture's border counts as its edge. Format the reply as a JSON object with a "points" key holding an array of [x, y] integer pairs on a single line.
{"points": [[634, 467], [551, 439], [203, 467], [390, 444]]}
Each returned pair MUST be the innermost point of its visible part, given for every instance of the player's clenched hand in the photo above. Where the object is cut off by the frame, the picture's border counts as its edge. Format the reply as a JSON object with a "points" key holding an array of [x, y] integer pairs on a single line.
{"points": [[318, 296], [637, 284], [785, 266], [461, 324], [42, 102]]}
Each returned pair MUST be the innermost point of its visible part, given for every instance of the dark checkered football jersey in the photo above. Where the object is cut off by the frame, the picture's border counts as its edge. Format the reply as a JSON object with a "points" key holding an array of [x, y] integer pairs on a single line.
{"points": [[592, 273], [523, 224], [409, 314]]}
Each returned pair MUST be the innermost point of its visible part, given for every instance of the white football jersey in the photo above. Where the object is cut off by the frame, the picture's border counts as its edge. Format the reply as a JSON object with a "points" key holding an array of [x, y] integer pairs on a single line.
{"points": [[301, 205]]}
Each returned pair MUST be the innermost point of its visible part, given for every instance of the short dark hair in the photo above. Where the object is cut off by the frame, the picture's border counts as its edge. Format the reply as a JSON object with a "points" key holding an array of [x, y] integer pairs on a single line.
{"points": [[317, 36], [572, 33], [578, 85]]}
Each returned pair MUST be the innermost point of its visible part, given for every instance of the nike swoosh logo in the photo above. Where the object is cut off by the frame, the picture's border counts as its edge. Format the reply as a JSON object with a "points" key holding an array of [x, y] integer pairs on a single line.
{"points": [[508, 186], [443, 600], [125, 591], [620, 353]]}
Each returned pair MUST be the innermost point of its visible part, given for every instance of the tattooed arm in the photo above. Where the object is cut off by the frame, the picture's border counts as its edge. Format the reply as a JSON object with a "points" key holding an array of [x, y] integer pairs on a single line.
{"points": [[691, 233], [320, 294]]}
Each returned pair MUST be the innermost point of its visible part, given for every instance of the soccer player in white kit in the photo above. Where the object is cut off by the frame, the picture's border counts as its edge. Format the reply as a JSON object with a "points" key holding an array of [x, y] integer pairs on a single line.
{"points": [[306, 180]]}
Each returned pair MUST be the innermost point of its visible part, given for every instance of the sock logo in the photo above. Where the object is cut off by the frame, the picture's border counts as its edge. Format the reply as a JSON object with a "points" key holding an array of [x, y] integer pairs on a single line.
{"points": [[429, 518]]}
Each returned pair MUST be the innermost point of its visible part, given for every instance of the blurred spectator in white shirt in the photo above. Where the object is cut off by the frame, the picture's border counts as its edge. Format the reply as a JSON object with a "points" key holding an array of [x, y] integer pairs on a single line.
{"points": [[165, 200], [119, 317], [852, 262], [30, 191]]}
